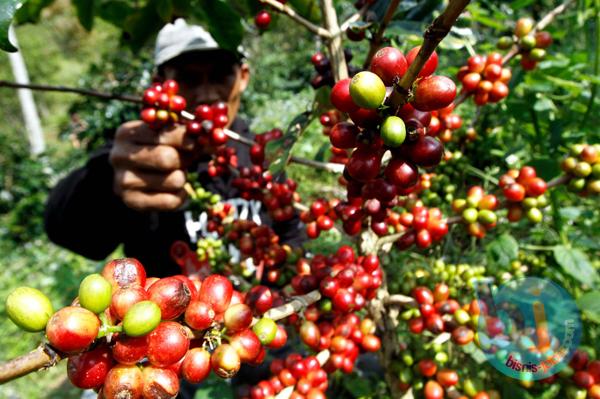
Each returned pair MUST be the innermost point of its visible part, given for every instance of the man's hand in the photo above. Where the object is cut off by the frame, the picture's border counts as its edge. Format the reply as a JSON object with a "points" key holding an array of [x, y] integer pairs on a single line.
{"points": [[149, 166]]}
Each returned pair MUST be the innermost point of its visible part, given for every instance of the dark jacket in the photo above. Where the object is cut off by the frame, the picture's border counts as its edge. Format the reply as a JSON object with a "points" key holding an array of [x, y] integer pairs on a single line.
{"points": [[84, 215]]}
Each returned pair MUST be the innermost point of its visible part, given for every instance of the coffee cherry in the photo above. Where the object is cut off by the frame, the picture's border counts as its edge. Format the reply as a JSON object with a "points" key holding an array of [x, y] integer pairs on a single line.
{"points": [[129, 350], [389, 63], [433, 390], [29, 309], [523, 27], [246, 344], [216, 290], [171, 295], [266, 330], [167, 344], [515, 192], [88, 370], [340, 96], [124, 299], [141, 319], [72, 329], [262, 20], [401, 173], [364, 164], [427, 367], [125, 272], [471, 81], [259, 298], [159, 383], [237, 317], [95, 293], [367, 90], [199, 315], [393, 131], [344, 135], [426, 151], [225, 361], [196, 365], [433, 93], [505, 42], [527, 42], [430, 65], [123, 382]]}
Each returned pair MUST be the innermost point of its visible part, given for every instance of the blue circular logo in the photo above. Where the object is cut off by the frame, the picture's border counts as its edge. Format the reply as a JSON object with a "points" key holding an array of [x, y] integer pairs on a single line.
{"points": [[531, 328]]}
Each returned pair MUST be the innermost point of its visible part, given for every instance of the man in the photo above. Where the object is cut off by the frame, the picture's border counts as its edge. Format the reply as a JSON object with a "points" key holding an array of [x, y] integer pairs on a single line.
{"points": [[131, 191]]}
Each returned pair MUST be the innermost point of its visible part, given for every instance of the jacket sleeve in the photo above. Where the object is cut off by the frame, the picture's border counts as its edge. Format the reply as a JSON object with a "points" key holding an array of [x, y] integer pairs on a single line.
{"points": [[82, 212]]}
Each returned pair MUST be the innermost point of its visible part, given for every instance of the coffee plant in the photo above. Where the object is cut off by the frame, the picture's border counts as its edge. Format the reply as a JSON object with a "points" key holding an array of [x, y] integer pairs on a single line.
{"points": [[405, 138]]}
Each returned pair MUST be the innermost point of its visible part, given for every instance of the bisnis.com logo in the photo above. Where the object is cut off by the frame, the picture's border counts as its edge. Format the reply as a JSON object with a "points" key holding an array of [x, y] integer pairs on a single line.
{"points": [[531, 327]]}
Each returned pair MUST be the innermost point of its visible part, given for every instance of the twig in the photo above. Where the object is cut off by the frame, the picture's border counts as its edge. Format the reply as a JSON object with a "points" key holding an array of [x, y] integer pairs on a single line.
{"points": [[336, 50], [290, 12], [64, 89], [297, 304], [43, 356], [557, 181], [432, 37], [328, 166], [378, 38], [353, 18], [400, 300]]}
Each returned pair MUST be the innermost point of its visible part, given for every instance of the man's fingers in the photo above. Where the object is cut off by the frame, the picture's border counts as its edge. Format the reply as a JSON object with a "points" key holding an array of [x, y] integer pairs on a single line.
{"points": [[148, 201], [140, 133], [149, 157], [129, 179]]}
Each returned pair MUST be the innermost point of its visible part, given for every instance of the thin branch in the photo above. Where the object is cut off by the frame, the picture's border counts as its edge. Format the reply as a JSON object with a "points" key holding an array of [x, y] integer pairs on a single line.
{"points": [[297, 304], [290, 12], [43, 356], [400, 300], [432, 37], [354, 18], [339, 68], [378, 38], [64, 89], [557, 181]]}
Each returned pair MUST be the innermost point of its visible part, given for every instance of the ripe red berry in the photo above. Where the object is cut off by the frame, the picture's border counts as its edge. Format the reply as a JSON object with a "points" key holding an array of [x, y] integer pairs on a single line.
{"points": [[344, 135], [72, 329], [167, 344], [88, 370], [433, 93], [514, 192], [389, 63], [262, 19], [430, 65], [364, 164], [340, 96]]}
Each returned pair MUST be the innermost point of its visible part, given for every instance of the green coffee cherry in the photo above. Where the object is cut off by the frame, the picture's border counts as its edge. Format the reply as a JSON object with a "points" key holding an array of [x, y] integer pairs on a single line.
{"points": [[527, 42], [505, 42], [29, 309], [470, 215]]}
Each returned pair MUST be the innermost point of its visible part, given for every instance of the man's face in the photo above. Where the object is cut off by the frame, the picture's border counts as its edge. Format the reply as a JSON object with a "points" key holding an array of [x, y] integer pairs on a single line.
{"points": [[207, 77]]}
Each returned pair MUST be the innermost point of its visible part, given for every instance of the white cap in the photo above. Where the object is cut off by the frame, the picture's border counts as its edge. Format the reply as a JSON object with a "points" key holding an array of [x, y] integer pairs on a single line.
{"points": [[177, 38]]}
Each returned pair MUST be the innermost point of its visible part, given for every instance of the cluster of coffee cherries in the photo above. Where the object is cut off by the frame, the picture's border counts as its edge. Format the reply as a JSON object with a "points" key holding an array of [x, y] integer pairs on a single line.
{"points": [[477, 211], [320, 217], [583, 167], [224, 159], [260, 243], [524, 193], [328, 120], [344, 336], [436, 312], [257, 150], [532, 46], [584, 373], [443, 123], [209, 123], [485, 78], [304, 374], [127, 335], [346, 281], [324, 76], [162, 104], [255, 184], [425, 226]]}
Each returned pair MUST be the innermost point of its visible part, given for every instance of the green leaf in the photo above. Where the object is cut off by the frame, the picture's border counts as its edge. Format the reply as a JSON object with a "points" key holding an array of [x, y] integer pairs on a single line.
{"points": [[590, 305], [141, 26], [547, 168], [30, 11], [322, 102], [576, 263], [544, 104], [502, 250], [224, 24], [164, 8], [359, 387], [7, 12], [115, 12], [309, 9], [85, 13], [518, 4], [278, 152]]}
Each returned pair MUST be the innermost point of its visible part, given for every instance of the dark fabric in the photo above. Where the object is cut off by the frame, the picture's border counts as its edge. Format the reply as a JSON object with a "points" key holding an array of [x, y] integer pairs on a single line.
{"points": [[84, 215]]}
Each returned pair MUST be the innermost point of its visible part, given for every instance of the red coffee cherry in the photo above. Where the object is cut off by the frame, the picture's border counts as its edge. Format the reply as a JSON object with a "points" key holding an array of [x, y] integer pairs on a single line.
{"points": [[430, 65], [433, 93], [340, 96], [72, 329], [262, 20], [389, 63], [88, 370]]}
